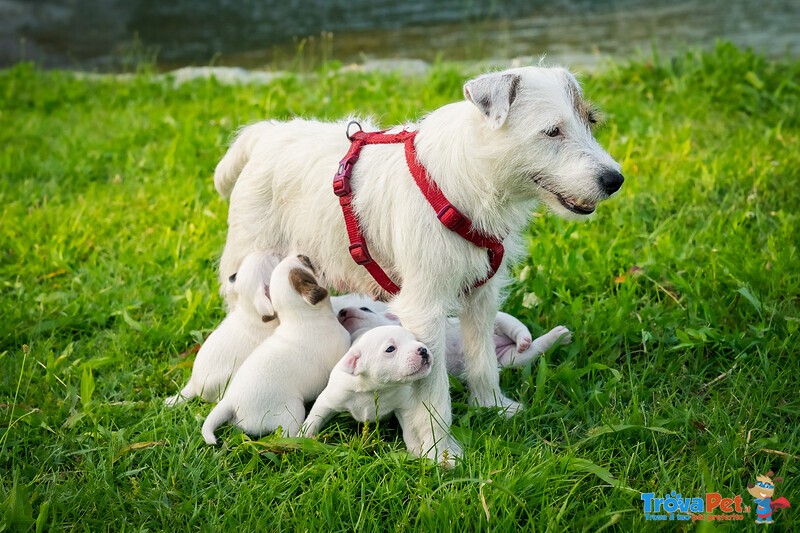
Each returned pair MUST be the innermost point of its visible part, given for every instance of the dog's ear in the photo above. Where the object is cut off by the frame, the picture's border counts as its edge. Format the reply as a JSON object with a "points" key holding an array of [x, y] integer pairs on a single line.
{"points": [[493, 95], [351, 362], [391, 316], [263, 303], [306, 286]]}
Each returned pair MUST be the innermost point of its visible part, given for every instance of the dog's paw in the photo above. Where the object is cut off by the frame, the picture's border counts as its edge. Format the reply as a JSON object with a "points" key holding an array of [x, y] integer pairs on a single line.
{"points": [[506, 406], [562, 335], [172, 401], [524, 341], [510, 408], [557, 336], [450, 454]]}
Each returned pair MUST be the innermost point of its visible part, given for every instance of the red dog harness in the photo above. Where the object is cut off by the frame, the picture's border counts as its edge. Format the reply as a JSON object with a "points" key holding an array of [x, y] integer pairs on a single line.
{"points": [[447, 214]]}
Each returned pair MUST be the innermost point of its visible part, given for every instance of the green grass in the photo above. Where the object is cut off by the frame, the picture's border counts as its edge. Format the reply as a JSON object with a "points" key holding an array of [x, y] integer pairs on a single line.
{"points": [[111, 228]]}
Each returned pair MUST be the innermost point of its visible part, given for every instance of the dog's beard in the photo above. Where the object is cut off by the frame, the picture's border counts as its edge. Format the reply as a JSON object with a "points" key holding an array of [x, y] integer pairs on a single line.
{"points": [[550, 195]]}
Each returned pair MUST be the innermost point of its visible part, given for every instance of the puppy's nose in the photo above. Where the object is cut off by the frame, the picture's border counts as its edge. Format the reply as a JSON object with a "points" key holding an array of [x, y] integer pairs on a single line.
{"points": [[611, 181], [343, 313], [423, 352]]}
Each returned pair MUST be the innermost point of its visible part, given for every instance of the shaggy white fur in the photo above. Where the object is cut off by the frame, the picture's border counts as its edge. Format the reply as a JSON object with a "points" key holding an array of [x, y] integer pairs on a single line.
{"points": [[520, 137]]}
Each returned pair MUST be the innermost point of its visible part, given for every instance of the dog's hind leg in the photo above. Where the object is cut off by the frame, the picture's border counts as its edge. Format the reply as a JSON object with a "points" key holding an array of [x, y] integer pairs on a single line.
{"points": [[480, 359], [186, 394]]}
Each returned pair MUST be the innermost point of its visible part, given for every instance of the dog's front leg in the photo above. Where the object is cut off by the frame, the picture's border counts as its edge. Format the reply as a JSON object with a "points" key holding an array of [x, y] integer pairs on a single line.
{"points": [[426, 424], [480, 359]]}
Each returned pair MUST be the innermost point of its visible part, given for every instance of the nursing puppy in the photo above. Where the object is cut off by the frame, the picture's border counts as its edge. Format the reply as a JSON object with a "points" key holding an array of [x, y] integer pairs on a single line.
{"points": [[246, 326], [292, 366], [513, 343], [373, 380], [520, 138]]}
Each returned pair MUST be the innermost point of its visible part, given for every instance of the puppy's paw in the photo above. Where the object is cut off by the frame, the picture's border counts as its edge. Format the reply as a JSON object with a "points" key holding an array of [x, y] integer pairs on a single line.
{"points": [[524, 341], [555, 337], [172, 401], [561, 334]]}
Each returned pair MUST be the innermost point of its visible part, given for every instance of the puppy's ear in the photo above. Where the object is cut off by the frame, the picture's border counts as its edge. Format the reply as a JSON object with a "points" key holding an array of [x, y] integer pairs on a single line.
{"points": [[391, 316], [263, 304], [351, 362], [493, 95], [306, 286]]}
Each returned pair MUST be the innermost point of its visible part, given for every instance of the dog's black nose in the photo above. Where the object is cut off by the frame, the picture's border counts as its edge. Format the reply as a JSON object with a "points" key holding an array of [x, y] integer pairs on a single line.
{"points": [[343, 313], [611, 181], [423, 352]]}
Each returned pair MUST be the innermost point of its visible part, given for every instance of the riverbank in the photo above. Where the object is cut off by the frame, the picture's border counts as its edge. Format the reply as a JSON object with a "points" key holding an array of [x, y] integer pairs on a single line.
{"points": [[681, 293]]}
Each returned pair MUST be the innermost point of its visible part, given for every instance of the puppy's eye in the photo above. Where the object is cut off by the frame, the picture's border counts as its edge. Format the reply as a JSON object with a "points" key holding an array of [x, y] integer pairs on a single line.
{"points": [[232, 278], [390, 349], [555, 131], [367, 309]]}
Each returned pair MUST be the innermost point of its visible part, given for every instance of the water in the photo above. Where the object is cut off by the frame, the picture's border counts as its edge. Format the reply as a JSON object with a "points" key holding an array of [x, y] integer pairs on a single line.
{"points": [[104, 34]]}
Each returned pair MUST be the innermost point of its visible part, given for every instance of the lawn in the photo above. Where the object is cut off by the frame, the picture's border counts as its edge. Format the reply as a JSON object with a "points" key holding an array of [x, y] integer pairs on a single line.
{"points": [[683, 293]]}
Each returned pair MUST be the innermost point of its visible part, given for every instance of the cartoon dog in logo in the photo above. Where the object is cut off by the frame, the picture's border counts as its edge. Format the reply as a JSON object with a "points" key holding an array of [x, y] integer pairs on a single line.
{"points": [[762, 492]]}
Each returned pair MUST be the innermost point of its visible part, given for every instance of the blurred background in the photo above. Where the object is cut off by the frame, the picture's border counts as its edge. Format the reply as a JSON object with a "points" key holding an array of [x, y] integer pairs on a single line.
{"points": [[110, 34]]}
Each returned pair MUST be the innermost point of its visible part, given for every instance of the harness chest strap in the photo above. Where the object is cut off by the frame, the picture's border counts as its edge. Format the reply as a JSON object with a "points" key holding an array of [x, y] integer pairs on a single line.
{"points": [[447, 214]]}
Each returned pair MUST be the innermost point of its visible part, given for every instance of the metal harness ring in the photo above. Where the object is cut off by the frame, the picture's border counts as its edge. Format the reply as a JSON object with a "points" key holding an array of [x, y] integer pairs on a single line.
{"points": [[347, 131]]}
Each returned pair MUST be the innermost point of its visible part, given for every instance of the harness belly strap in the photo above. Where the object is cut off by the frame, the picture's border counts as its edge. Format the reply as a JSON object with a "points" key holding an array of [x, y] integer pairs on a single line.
{"points": [[446, 212]]}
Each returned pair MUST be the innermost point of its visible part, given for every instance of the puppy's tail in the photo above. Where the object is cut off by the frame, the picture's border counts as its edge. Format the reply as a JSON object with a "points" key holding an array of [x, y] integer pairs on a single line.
{"points": [[238, 155], [218, 416]]}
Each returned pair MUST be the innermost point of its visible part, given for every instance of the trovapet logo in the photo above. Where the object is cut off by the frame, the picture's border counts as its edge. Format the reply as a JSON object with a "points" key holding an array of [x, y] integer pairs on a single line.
{"points": [[713, 506], [675, 507]]}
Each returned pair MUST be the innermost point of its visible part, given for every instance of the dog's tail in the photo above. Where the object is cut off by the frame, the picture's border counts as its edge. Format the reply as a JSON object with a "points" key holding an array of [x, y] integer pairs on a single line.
{"points": [[218, 416], [236, 158]]}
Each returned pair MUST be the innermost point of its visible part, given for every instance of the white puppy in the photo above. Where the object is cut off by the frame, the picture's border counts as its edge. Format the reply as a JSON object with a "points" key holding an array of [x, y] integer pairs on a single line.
{"points": [[373, 380], [513, 343], [292, 366], [245, 327], [521, 137]]}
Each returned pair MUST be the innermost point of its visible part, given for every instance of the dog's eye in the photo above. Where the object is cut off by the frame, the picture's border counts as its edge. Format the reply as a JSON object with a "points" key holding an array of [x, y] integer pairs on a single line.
{"points": [[594, 116], [367, 309], [555, 131], [390, 349], [232, 278]]}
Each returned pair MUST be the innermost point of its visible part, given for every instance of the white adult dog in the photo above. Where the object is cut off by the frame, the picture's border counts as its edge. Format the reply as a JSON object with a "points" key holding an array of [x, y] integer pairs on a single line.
{"points": [[292, 366], [521, 137], [513, 343], [373, 380], [246, 326]]}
